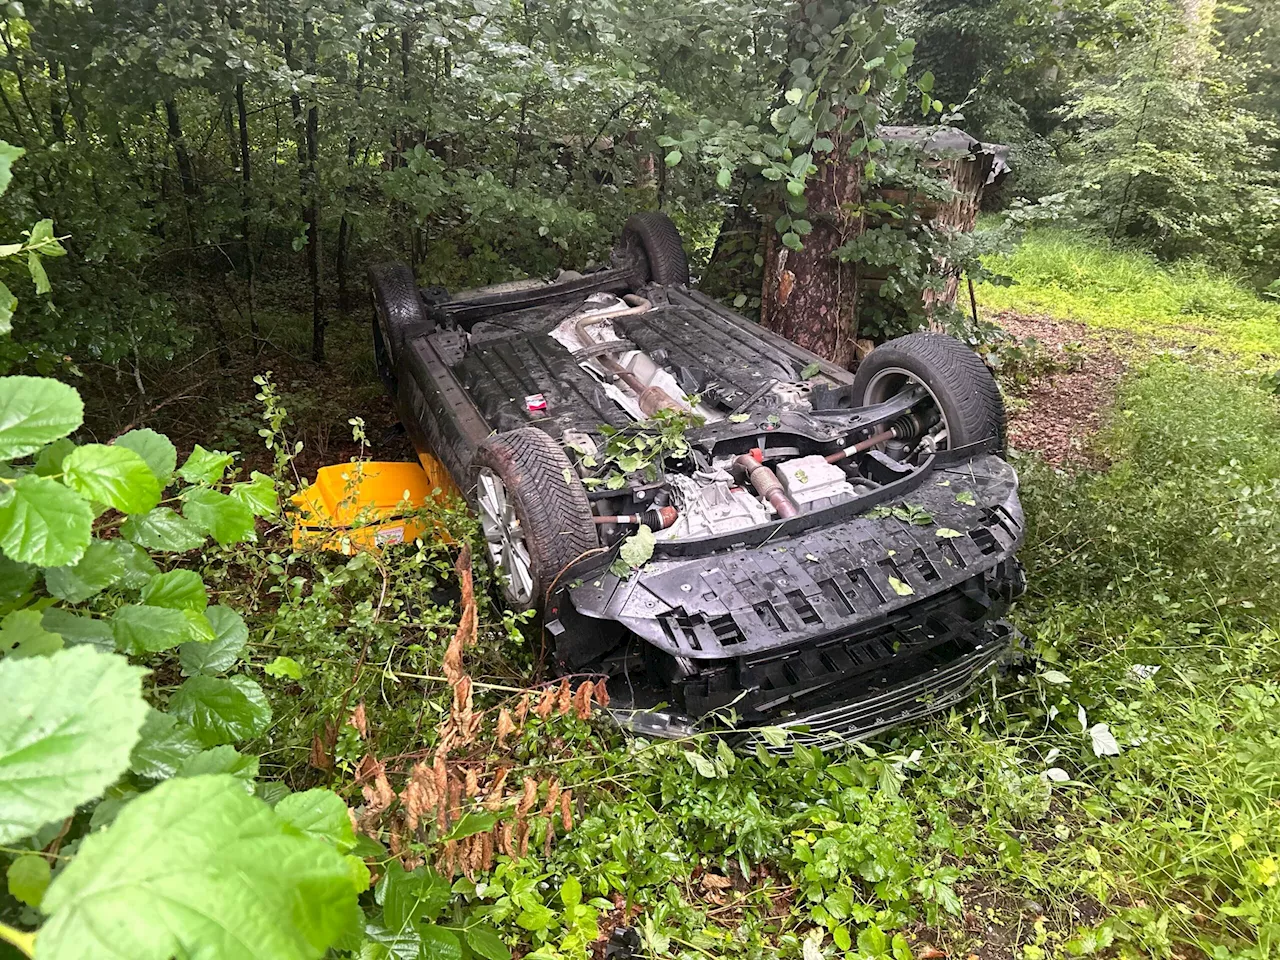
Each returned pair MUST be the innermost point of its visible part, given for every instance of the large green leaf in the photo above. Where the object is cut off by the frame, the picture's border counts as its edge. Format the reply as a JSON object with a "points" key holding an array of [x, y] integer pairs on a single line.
{"points": [[22, 634], [49, 459], [321, 814], [439, 943], [154, 448], [177, 589], [223, 759], [28, 878], [100, 567], [16, 581], [139, 629], [9, 155], [225, 518], [115, 476], [198, 867], [67, 724], [74, 628], [485, 941], [409, 899], [222, 711], [162, 746], [139, 568], [44, 523], [162, 529], [35, 411], [258, 494], [205, 466], [221, 653]]}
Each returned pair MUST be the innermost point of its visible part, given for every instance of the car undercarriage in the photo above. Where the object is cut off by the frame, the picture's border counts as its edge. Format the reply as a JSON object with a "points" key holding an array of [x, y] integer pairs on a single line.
{"points": [[736, 533]]}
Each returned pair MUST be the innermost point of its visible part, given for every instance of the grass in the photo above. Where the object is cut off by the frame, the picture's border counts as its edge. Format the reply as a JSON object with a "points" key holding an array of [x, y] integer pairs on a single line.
{"points": [[1065, 275]]}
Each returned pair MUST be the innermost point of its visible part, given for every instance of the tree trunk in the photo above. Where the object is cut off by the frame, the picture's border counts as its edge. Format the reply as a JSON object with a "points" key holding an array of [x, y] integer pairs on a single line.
{"points": [[307, 132], [246, 205], [186, 172], [344, 226], [808, 296]]}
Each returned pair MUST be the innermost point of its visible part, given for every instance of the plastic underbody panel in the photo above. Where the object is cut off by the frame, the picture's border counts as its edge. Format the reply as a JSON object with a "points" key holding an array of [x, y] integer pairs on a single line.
{"points": [[834, 624]]}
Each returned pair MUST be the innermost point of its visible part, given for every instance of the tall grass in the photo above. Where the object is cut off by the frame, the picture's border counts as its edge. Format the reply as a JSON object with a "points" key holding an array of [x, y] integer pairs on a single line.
{"points": [[1068, 275]]}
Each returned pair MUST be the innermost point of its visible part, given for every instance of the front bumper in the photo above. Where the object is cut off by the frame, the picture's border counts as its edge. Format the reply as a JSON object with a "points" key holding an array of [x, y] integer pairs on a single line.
{"points": [[848, 625]]}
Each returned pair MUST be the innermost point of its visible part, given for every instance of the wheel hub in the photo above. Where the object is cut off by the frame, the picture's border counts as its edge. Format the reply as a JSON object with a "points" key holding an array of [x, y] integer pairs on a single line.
{"points": [[891, 381]]}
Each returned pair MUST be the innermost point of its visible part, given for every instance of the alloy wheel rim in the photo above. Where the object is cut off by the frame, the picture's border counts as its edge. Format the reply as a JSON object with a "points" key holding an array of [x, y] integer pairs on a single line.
{"points": [[504, 537]]}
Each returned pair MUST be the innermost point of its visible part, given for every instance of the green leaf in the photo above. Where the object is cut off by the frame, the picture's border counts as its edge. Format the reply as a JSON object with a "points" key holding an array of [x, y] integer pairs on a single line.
{"points": [[739, 417], [162, 529], [28, 878], [205, 466], [99, 568], [162, 746], [177, 590], [472, 822], [44, 523], [222, 711], [810, 370], [35, 411], [792, 241], [139, 568], [49, 459], [485, 941], [42, 237], [925, 83], [140, 629], [198, 866], [224, 759], [22, 634], [439, 943], [16, 581], [571, 892], [724, 178], [115, 476], [38, 276], [321, 814], [219, 654], [794, 95], [410, 898], [74, 628], [225, 518], [637, 548], [947, 533], [67, 725], [965, 496], [258, 494], [673, 158], [154, 448], [282, 667], [900, 588], [8, 303], [9, 154]]}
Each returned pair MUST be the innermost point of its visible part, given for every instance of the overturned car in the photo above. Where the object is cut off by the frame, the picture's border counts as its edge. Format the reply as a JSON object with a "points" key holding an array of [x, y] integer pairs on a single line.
{"points": [[732, 530]]}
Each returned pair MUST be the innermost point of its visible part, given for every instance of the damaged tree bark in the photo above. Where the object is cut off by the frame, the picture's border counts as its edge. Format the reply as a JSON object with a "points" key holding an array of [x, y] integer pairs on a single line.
{"points": [[809, 296]]}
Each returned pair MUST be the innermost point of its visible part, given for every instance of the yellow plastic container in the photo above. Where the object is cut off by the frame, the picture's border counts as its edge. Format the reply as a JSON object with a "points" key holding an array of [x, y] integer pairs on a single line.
{"points": [[366, 506]]}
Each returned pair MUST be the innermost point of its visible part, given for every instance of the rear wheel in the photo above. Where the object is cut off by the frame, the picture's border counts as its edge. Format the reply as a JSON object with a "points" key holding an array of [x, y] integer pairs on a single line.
{"points": [[534, 511], [652, 242], [398, 313], [956, 380]]}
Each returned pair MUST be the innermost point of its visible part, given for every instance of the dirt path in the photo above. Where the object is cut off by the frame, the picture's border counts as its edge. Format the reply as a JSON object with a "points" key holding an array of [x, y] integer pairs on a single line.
{"points": [[1056, 412]]}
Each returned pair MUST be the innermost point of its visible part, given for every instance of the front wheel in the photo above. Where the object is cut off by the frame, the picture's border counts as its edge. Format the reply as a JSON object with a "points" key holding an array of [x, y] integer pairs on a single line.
{"points": [[534, 512], [956, 380]]}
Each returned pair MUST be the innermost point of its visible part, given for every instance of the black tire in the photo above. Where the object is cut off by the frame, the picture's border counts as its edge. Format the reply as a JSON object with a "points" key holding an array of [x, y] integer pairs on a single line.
{"points": [[963, 386], [652, 243], [549, 501], [398, 313]]}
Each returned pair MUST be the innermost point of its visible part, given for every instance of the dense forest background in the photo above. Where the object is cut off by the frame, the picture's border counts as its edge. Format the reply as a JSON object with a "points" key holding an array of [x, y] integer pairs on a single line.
{"points": [[193, 153]]}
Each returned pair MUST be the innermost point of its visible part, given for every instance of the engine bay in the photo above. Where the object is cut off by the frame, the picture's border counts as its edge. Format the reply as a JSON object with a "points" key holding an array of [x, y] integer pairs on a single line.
{"points": [[676, 424]]}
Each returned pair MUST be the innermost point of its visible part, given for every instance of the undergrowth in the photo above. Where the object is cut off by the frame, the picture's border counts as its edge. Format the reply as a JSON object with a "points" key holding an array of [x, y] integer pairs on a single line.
{"points": [[1068, 275]]}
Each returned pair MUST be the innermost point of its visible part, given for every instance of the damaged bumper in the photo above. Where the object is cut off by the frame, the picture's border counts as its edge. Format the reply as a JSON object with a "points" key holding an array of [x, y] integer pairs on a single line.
{"points": [[843, 628]]}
